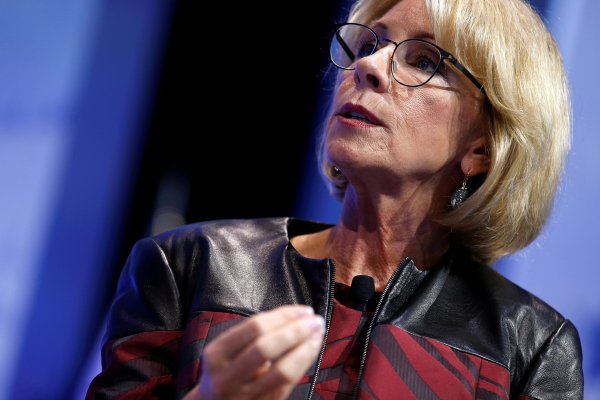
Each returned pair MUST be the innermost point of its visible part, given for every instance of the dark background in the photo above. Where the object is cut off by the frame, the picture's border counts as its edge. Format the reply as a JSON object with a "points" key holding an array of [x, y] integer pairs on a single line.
{"points": [[234, 113]]}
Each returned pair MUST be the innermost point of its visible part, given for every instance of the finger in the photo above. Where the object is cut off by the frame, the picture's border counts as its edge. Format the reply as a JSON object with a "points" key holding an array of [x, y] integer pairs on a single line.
{"points": [[264, 367], [271, 346], [285, 373], [227, 345]]}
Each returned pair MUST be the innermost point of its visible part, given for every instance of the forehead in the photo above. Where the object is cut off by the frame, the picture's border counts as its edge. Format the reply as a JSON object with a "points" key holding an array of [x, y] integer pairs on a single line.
{"points": [[406, 16]]}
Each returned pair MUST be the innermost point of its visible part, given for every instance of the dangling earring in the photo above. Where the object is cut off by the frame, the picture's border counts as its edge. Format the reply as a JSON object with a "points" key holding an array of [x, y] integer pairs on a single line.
{"points": [[335, 171], [460, 194]]}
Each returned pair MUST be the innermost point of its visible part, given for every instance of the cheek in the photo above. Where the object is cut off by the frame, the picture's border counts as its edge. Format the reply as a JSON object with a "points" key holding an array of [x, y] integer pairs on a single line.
{"points": [[427, 127], [422, 116]]}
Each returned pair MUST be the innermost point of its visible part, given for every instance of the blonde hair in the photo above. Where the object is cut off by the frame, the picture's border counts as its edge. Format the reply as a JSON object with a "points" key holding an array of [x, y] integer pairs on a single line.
{"points": [[508, 49]]}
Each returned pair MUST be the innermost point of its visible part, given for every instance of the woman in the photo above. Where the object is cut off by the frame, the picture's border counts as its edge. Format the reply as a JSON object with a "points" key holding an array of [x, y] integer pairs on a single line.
{"points": [[445, 140]]}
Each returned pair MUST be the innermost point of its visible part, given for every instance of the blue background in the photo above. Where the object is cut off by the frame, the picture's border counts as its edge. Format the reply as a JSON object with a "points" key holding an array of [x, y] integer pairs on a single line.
{"points": [[77, 78]]}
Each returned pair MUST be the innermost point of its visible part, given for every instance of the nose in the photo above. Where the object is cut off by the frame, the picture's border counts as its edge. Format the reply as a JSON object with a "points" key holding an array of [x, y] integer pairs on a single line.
{"points": [[373, 71]]}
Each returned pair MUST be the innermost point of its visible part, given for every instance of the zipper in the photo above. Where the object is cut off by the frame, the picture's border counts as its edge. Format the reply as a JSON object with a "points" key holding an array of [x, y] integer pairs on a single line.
{"points": [[363, 359], [327, 326]]}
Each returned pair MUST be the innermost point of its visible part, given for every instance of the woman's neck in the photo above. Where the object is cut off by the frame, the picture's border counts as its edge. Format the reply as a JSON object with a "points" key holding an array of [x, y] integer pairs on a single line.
{"points": [[373, 236]]}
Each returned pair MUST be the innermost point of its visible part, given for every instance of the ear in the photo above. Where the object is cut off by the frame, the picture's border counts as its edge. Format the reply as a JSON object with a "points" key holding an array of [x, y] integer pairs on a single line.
{"points": [[476, 159]]}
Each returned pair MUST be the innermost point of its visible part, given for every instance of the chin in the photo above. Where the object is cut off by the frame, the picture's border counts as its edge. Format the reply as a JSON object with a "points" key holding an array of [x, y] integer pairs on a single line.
{"points": [[343, 152]]}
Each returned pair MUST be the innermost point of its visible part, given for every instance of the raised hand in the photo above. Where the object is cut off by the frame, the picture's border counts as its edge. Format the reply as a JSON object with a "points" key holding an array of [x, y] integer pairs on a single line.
{"points": [[261, 358]]}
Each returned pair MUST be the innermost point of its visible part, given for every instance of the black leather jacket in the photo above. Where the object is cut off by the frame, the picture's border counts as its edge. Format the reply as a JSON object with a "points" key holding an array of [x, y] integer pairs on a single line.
{"points": [[246, 266]]}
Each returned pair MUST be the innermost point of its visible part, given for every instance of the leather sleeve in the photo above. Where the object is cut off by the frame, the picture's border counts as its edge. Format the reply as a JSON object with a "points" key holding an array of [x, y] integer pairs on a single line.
{"points": [[556, 371], [141, 345]]}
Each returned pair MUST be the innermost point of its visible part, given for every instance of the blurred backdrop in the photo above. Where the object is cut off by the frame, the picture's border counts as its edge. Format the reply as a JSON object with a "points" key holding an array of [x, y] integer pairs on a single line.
{"points": [[120, 119]]}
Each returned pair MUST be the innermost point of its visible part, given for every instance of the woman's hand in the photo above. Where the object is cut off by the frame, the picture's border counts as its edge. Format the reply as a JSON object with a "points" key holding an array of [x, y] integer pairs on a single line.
{"points": [[261, 358]]}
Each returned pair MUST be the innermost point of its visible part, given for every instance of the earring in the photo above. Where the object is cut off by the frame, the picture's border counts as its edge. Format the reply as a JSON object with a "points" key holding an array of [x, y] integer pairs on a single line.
{"points": [[460, 194], [335, 171]]}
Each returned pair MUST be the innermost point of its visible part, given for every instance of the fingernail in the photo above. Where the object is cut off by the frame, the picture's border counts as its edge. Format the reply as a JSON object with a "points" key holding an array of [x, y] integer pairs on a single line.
{"points": [[303, 311], [317, 326]]}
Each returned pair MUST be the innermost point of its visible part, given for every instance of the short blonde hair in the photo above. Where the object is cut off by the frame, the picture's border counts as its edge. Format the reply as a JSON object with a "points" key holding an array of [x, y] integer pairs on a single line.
{"points": [[507, 47]]}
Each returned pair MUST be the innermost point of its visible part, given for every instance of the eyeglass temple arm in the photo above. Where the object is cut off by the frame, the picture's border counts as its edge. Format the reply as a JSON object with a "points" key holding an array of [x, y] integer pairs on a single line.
{"points": [[347, 49], [465, 71]]}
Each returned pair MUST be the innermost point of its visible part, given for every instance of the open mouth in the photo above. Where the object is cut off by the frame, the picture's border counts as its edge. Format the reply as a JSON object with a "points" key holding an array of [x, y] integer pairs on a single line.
{"points": [[358, 114]]}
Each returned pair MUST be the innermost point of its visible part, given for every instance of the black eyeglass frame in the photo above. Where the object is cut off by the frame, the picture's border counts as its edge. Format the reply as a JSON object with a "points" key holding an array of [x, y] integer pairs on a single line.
{"points": [[444, 55]]}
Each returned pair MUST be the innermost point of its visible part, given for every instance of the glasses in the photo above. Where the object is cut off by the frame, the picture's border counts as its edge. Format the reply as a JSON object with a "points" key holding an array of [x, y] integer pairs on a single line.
{"points": [[414, 62]]}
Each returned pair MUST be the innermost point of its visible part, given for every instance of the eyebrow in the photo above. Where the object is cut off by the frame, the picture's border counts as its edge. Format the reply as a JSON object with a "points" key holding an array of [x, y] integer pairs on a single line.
{"points": [[418, 35], [380, 25]]}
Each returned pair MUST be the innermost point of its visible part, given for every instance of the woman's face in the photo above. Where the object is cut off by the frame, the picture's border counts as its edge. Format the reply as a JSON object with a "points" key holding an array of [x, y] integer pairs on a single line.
{"points": [[381, 132]]}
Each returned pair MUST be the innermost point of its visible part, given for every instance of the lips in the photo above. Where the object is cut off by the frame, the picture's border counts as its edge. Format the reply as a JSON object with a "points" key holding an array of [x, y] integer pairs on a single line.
{"points": [[358, 113]]}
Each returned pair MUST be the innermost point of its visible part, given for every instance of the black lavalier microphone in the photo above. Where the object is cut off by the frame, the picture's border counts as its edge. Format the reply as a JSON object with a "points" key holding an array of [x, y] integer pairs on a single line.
{"points": [[363, 288]]}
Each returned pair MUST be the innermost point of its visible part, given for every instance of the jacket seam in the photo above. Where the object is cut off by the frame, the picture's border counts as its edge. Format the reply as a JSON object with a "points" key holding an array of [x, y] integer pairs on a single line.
{"points": [[455, 347], [173, 279], [538, 353]]}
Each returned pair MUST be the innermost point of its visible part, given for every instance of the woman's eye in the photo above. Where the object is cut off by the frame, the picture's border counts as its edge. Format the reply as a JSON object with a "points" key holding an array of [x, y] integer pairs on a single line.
{"points": [[422, 57], [365, 49], [425, 64]]}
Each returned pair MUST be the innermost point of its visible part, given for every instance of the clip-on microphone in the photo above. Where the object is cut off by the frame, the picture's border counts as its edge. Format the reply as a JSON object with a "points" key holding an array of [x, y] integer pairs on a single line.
{"points": [[362, 288]]}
